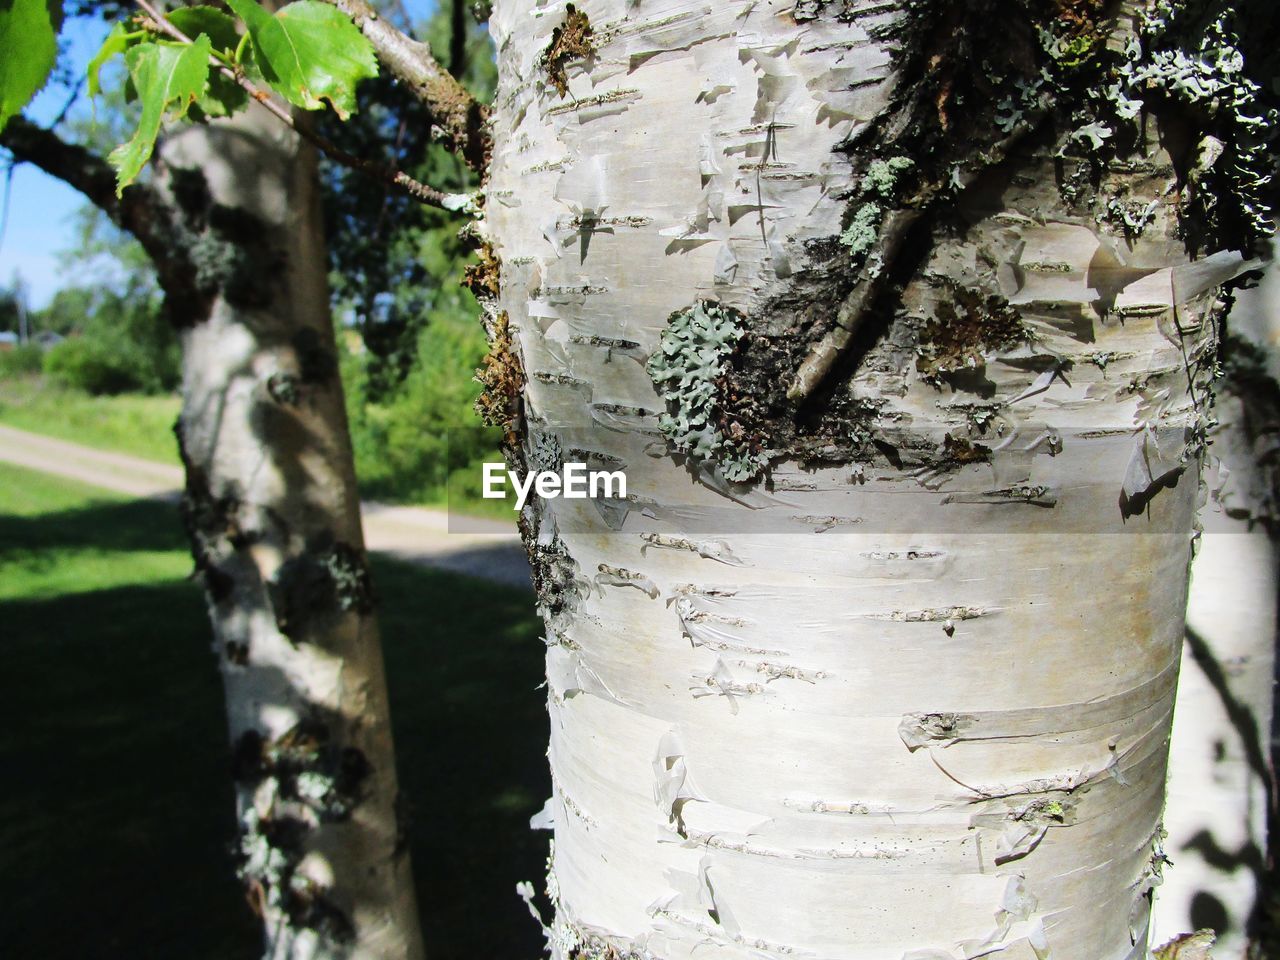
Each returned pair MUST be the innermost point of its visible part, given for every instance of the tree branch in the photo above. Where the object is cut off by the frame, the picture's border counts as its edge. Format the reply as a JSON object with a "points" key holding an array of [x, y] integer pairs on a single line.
{"points": [[140, 212], [462, 119], [395, 178]]}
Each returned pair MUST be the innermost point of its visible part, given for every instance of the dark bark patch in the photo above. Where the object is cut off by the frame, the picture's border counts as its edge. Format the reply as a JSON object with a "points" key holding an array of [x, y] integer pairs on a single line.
{"points": [[502, 377], [230, 251], [283, 388], [591, 947], [961, 452], [570, 41], [247, 757], [309, 766], [320, 583], [210, 523], [310, 909], [316, 362], [967, 325], [483, 278]]}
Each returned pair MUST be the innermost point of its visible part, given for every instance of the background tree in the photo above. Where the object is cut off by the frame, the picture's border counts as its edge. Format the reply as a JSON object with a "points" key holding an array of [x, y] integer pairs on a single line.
{"points": [[1221, 803], [232, 223], [395, 268]]}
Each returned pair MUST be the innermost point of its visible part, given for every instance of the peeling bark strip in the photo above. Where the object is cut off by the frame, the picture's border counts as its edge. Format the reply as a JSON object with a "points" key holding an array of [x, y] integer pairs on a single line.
{"points": [[271, 509], [899, 171]]}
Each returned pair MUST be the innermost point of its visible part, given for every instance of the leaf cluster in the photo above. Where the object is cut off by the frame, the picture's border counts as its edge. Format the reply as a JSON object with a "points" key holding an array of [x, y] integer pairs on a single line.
{"points": [[199, 62]]}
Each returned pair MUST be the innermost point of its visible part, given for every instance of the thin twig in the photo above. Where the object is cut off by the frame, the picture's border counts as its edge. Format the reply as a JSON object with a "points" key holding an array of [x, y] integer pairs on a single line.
{"points": [[71, 100], [376, 171], [460, 117]]}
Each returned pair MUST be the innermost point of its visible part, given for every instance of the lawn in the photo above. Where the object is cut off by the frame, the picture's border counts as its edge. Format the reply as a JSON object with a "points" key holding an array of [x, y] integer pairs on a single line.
{"points": [[129, 423], [143, 426], [116, 821]]}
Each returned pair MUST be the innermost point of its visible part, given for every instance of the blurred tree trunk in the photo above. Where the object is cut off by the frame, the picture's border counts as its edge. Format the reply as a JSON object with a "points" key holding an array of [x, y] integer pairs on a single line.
{"points": [[1221, 794], [273, 512], [907, 691], [232, 223]]}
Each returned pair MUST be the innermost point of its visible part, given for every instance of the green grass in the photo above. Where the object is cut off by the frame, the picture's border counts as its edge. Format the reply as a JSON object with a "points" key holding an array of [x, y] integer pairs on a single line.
{"points": [[117, 815], [129, 423], [143, 426]]}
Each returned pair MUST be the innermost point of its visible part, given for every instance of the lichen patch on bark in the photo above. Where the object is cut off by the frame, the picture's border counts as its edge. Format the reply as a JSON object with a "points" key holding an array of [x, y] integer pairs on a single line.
{"points": [[570, 41], [502, 377], [967, 325], [690, 372], [483, 279]]}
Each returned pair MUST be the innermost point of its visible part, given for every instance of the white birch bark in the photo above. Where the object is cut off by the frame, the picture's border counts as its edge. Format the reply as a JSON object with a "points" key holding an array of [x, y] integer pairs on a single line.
{"points": [[1220, 765], [273, 512], [861, 711]]}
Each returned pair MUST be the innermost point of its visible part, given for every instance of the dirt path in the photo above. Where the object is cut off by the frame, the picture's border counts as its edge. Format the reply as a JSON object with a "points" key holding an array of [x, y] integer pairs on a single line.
{"points": [[490, 549]]}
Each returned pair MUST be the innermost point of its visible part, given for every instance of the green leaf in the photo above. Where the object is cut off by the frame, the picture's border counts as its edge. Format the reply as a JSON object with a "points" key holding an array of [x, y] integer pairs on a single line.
{"points": [[224, 96], [309, 52], [28, 49], [116, 43], [219, 27], [168, 77]]}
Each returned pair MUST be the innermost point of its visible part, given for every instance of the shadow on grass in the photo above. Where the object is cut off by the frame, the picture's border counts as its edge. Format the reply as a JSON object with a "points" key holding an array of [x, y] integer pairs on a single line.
{"points": [[464, 664], [117, 811], [108, 525], [116, 821]]}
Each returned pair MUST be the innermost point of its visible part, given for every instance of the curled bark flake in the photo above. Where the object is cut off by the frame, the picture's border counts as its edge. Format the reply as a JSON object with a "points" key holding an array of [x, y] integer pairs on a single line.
{"points": [[1187, 946], [1034, 494], [618, 577], [934, 729], [708, 549]]}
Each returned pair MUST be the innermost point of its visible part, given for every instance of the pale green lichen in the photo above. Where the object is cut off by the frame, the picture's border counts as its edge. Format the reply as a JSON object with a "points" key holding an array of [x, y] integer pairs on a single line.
{"points": [[860, 235], [1193, 54], [691, 360], [1018, 106], [882, 176], [881, 183], [1130, 215]]}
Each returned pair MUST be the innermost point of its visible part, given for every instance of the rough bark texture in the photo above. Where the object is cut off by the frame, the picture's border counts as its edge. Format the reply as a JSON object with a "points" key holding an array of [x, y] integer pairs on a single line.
{"points": [[906, 692], [273, 514]]}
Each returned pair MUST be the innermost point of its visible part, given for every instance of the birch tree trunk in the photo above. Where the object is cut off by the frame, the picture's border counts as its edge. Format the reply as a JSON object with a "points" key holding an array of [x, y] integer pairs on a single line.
{"points": [[272, 508], [877, 657], [1221, 792]]}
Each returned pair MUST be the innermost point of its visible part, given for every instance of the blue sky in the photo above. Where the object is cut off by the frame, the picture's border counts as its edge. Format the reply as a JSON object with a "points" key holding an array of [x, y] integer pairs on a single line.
{"points": [[41, 209]]}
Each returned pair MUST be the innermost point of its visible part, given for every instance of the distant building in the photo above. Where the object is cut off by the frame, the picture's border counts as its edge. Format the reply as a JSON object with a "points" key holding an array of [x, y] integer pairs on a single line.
{"points": [[47, 338], [8, 339]]}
